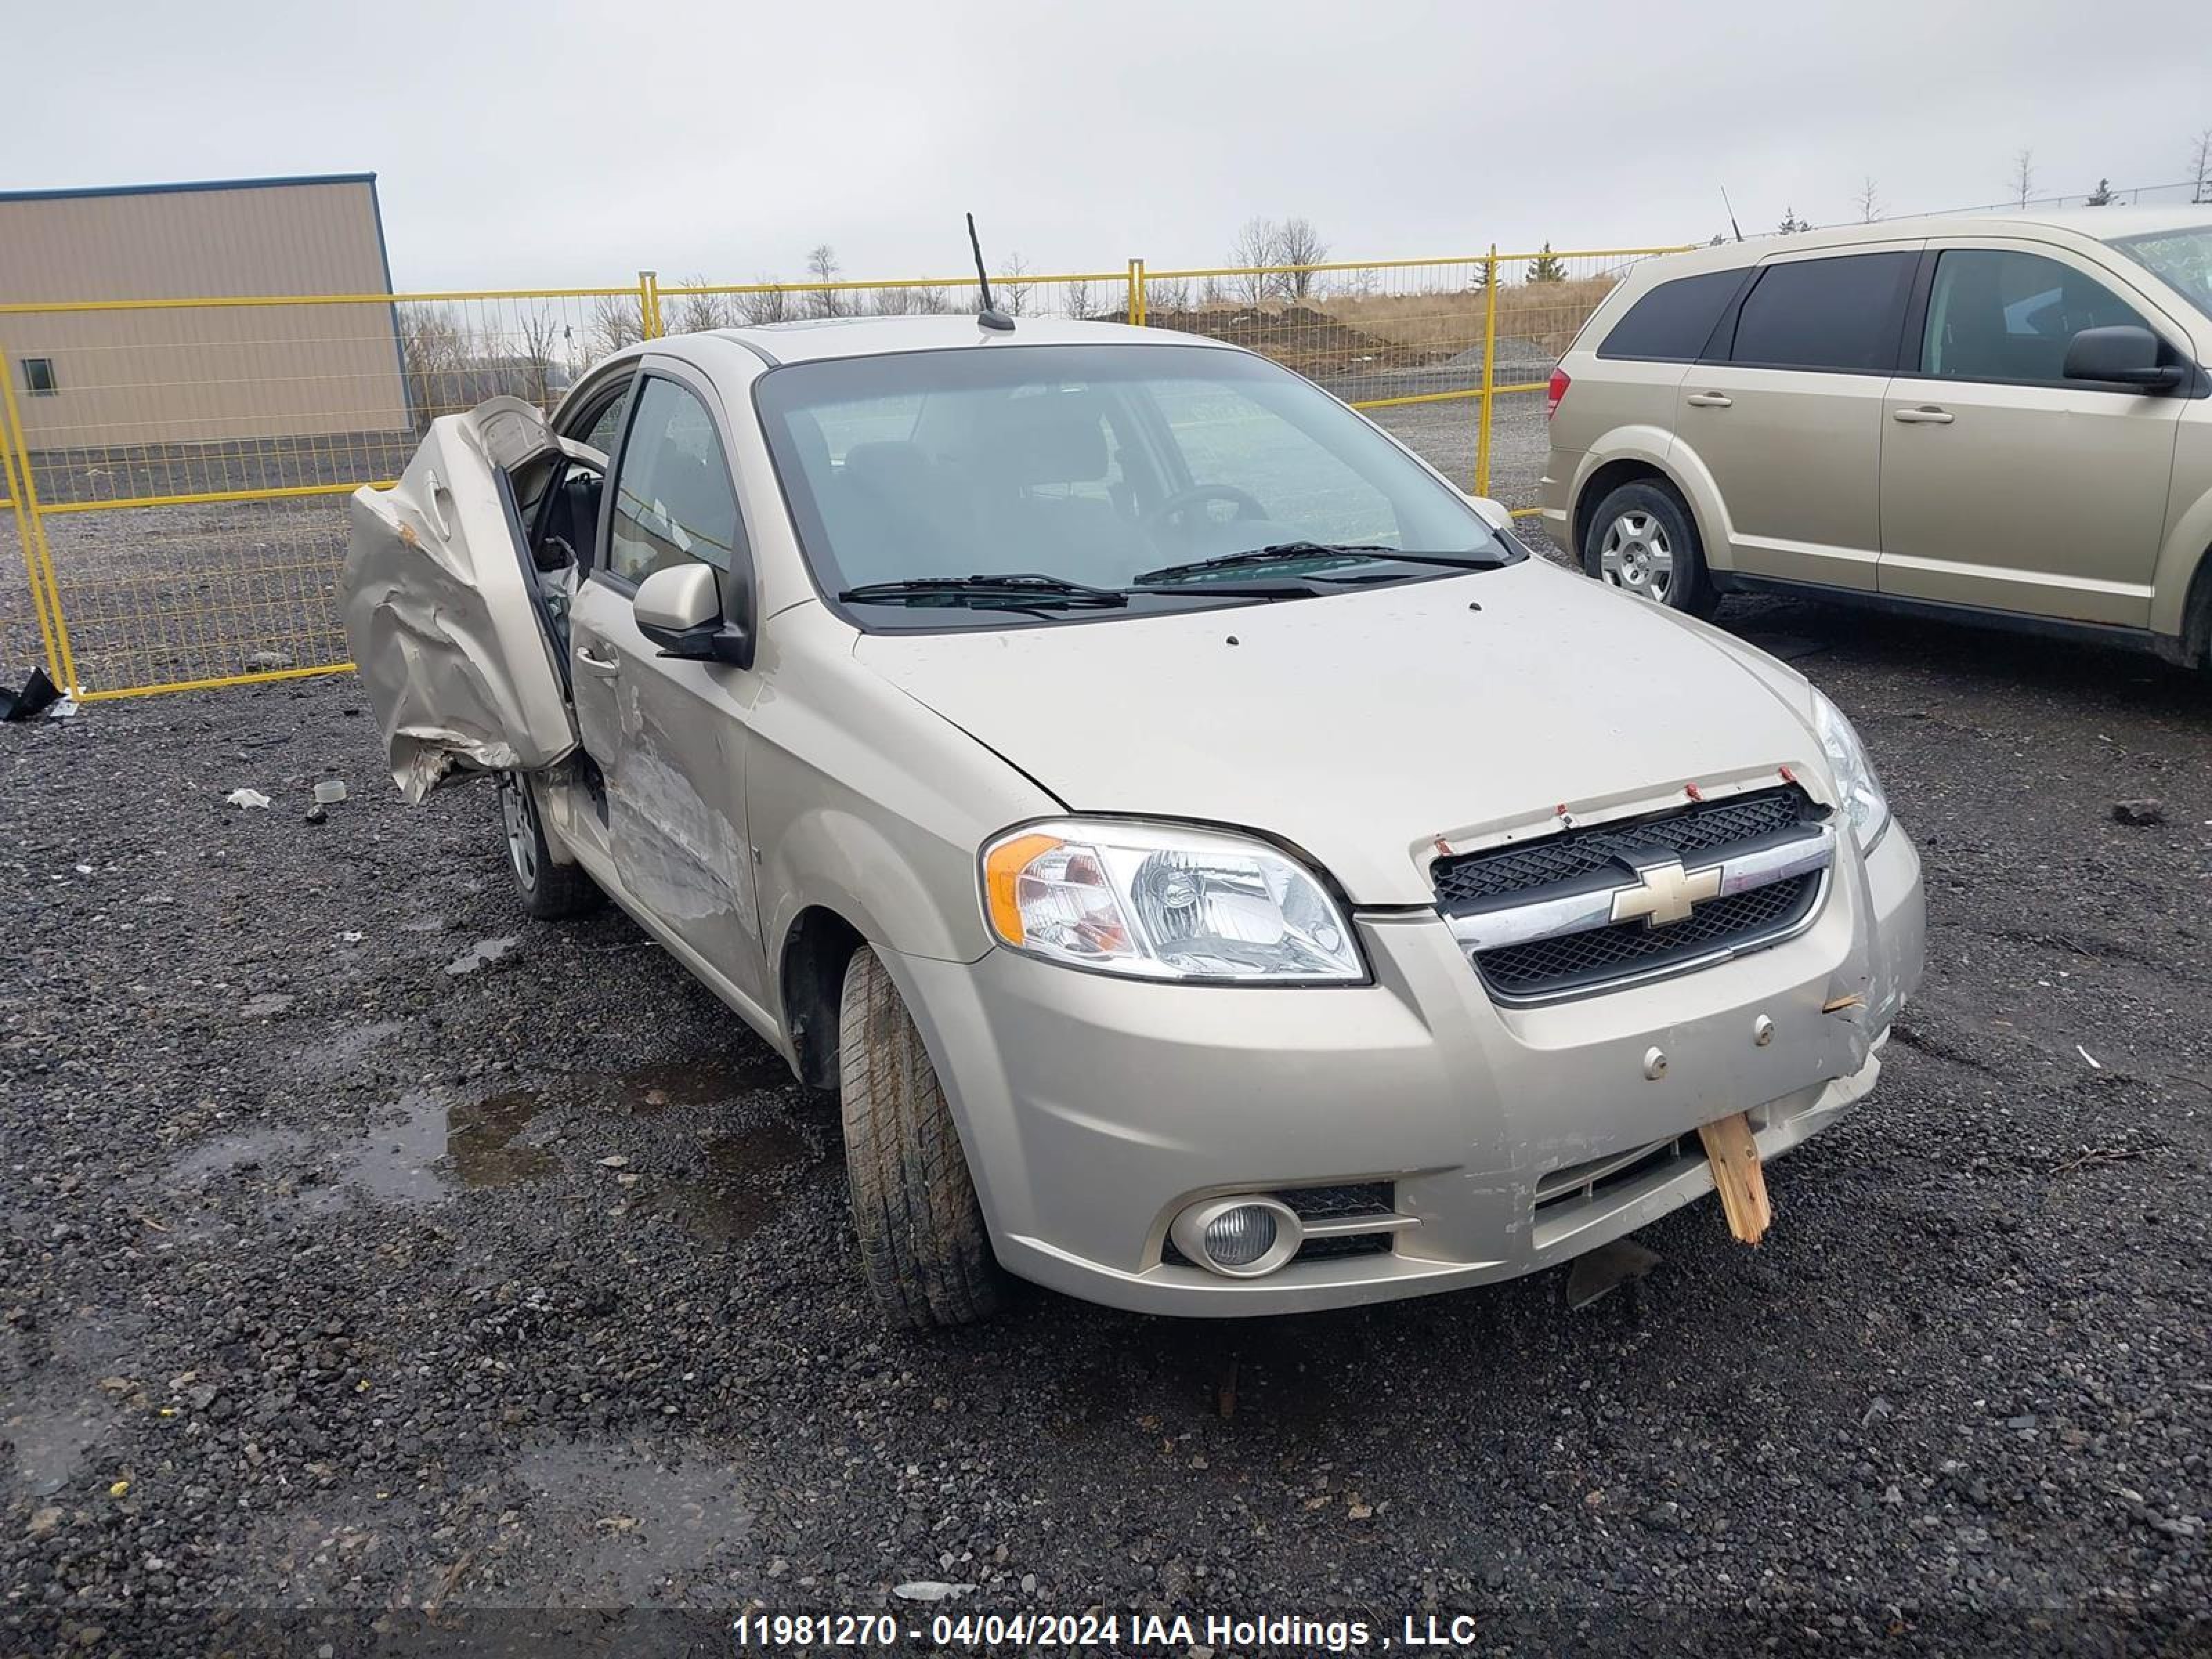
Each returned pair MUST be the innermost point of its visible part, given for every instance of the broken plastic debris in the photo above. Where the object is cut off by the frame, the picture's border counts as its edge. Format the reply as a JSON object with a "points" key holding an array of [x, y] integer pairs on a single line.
{"points": [[329, 792], [38, 693], [63, 710], [252, 798], [2095, 1064], [929, 1590]]}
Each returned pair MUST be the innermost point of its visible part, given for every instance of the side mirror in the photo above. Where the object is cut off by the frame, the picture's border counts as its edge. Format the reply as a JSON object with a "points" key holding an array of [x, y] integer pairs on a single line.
{"points": [[679, 609], [2122, 355], [1493, 513]]}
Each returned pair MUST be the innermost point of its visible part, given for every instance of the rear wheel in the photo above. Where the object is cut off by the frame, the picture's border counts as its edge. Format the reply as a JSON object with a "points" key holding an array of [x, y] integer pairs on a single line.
{"points": [[549, 889], [1642, 539], [923, 1247]]}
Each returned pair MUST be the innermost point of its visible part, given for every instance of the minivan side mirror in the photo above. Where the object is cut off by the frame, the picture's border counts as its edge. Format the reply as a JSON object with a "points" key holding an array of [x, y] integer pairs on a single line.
{"points": [[2125, 353], [679, 609]]}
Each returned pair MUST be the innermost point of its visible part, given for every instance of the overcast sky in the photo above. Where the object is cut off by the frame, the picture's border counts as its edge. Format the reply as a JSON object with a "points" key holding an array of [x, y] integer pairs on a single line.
{"points": [[556, 144]]}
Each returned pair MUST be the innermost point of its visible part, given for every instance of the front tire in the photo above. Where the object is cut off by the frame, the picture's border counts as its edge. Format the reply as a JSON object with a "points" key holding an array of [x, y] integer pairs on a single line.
{"points": [[924, 1249], [1642, 539], [550, 890]]}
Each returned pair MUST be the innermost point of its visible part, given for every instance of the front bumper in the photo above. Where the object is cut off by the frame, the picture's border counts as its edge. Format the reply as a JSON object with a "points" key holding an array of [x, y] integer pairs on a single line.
{"points": [[1093, 1109]]}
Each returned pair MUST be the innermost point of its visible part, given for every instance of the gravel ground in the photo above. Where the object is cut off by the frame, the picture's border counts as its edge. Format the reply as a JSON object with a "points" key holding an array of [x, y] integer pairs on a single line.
{"points": [[364, 1246]]}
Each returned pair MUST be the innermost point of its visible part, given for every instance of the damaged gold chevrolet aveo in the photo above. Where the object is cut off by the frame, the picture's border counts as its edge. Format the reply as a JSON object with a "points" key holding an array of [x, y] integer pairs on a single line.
{"points": [[1220, 870]]}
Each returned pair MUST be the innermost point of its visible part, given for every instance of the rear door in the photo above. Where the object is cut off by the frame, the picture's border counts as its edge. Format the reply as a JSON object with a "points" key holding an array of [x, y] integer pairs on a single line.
{"points": [[2005, 485], [669, 736], [1786, 415], [444, 612]]}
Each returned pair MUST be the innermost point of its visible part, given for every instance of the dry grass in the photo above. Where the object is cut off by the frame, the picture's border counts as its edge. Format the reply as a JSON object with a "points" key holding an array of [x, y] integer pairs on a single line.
{"points": [[1545, 313]]}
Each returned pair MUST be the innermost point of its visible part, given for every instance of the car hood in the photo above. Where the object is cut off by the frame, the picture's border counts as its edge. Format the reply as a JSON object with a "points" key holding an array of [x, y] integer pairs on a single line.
{"points": [[1372, 730]]}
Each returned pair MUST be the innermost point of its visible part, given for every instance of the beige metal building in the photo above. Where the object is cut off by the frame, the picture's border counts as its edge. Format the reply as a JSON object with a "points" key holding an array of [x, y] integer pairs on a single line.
{"points": [[132, 379]]}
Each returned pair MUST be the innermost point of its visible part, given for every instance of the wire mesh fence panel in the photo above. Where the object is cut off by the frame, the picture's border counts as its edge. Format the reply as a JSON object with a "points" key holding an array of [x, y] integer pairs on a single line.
{"points": [[190, 462], [186, 462], [22, 643], [1543, 298]]}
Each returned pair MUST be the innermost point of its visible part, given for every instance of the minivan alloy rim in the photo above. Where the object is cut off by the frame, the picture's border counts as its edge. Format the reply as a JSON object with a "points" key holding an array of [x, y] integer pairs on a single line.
{"points": [[1636, 555], [520, 814]]}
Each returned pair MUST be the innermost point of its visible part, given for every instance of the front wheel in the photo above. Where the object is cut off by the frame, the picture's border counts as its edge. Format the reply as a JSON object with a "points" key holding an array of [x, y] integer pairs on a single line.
{"points": [[1642, 539], [923, 1247], [549, 889]]}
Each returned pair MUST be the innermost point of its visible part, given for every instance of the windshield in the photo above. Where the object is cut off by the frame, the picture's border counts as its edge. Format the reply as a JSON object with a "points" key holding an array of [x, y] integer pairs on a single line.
{"points": [[2182, 258], [1105, 467]]}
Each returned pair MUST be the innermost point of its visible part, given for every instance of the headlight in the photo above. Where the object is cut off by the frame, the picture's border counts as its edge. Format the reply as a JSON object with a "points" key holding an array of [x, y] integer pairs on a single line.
{"points": [[1864, 805], [1157, 901]]}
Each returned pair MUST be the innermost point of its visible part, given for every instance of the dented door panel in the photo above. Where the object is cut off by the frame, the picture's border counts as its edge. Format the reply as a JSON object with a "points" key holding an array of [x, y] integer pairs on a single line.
{"points": [[441, 610], [670, 739]]}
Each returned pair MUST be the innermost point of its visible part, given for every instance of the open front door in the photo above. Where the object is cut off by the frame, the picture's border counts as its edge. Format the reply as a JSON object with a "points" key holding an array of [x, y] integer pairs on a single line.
{"points": [[444, 612]]}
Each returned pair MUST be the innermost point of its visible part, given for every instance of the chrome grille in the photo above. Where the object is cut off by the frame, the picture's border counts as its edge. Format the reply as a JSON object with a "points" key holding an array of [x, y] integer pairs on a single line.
{"points": [[1537, 920]]}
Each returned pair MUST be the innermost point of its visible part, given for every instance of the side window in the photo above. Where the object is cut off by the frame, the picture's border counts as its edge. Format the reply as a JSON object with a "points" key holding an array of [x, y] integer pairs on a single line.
{"points": [[1841, 314], [673, 498], [1994, 314], [1673, 322], [605, 429]]}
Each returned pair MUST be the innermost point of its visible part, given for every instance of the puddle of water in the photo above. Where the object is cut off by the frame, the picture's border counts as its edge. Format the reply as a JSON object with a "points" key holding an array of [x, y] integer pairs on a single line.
{"points": [[51, 1443], [482, 954], [247, 1150], [652, 1090], [650, 1526], [481, 1140], [746, 1182]]}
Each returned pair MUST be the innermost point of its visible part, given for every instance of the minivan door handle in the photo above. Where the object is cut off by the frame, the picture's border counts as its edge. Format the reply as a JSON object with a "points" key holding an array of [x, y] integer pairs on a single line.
{"points": [[1927, 415], [598, 664], [1710, 400]]}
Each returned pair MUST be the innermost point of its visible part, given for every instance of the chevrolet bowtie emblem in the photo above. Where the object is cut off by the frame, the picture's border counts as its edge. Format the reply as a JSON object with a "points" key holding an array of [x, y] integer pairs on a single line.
{"points": [[1666, 894]]}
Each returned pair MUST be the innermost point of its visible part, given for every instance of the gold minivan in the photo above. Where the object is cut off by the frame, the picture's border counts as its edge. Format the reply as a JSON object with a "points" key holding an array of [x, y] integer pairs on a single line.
{"points": [[1997, 418]]}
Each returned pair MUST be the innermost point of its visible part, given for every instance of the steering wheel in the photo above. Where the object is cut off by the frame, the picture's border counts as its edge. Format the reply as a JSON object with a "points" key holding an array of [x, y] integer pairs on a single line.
{"points": [[1247, 505]]}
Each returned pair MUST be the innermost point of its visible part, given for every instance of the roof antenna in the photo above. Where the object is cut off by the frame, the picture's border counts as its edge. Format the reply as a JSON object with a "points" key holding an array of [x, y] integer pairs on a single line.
{"points": [[990, 316], [1731, 206]]}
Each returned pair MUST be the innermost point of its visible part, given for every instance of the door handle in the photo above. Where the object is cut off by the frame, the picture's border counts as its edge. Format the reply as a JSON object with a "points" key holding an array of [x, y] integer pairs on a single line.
{"points": [[598, 665], [1924, 416], [1710, 400]]}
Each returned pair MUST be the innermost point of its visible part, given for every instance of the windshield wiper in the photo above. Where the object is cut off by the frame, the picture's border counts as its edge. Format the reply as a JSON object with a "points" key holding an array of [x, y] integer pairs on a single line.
{"points": [[1016, 591], [1286, 553]]}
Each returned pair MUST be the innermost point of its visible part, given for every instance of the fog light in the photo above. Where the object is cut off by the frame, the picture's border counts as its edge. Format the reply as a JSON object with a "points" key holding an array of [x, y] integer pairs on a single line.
{"points": [[1240, 1237]]}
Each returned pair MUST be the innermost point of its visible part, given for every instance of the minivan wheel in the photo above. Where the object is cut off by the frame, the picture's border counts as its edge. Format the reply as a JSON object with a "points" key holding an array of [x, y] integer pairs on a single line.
{"points": [[923, 1247], [549, 889], [1642, 539]]}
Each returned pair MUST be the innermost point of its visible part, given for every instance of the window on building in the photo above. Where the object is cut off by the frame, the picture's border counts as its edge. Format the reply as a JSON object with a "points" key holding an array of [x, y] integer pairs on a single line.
{"points": [[39, 377]]}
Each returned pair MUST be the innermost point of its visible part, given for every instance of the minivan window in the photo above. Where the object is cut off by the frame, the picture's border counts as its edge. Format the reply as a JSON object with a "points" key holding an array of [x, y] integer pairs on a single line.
{"points": [[1101, 467], [1995, 315], [1841, 313], [673, 499], [1672, 323]]}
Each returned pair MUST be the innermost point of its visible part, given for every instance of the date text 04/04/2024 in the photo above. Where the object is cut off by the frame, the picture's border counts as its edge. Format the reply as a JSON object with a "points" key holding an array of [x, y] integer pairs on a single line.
{"points": [[772, 1630]]}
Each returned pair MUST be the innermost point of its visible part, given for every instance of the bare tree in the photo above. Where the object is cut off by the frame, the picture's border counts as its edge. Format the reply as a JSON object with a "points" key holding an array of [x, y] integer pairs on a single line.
{"points": [[1868, 201], [770, 303], [1167, 296], [615, 323], [1258, 245], [436, 348], [2023, 176], [822, 266], [1013, 297], [539, 331], [2200, 167], [695, 314], [1078, 299], [1299, 243]]}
